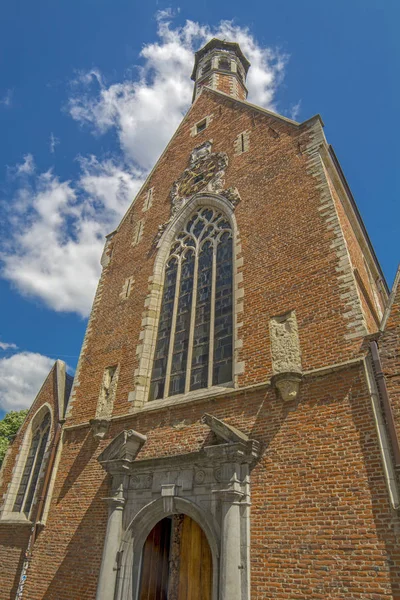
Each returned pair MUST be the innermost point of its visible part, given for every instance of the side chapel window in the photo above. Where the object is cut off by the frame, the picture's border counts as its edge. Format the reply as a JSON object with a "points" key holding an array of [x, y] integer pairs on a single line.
{"points": [[34, 461], [195, 332]]}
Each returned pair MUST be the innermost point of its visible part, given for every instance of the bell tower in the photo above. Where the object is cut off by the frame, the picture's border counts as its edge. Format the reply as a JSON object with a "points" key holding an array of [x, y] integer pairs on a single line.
{"points": [[221, 66]]}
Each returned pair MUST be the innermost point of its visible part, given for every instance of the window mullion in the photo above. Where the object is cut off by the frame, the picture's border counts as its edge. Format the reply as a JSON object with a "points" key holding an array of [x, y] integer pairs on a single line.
{"points": [[192, 321], [173, 326], [212, 315]]}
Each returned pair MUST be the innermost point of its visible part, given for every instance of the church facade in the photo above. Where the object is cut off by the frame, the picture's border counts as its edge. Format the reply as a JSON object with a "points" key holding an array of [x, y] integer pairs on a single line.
{"points": [[233, 427]]}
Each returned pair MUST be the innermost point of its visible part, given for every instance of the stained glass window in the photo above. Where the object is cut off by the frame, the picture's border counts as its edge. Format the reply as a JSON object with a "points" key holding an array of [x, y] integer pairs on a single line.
{"points": [[195, 332], [34, 461]]}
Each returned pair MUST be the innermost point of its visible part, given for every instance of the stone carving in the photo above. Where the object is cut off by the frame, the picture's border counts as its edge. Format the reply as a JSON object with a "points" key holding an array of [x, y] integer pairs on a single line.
{"points": [[206, 172], [99, 427], [288, 385], [285, 345], [231, 194], [199, 477], [141, 482], [201, 151], [286, 355], [218, 474]]}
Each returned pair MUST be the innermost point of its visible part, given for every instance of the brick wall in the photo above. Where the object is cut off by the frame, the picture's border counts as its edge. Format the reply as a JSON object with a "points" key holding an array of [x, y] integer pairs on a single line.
{"points": [[321, 526]]}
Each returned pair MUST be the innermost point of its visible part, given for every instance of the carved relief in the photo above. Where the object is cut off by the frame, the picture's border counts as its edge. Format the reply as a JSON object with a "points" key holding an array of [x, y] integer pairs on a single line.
{"points": [[286, 356], [285, 345], [206, 173]]}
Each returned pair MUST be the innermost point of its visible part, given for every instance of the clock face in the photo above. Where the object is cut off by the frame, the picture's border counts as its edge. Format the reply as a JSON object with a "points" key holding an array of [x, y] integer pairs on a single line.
{"points": [[196, 177]]}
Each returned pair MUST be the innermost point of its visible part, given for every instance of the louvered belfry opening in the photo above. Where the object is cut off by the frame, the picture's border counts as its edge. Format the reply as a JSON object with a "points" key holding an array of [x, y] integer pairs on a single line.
{"points": [[176, 562]]}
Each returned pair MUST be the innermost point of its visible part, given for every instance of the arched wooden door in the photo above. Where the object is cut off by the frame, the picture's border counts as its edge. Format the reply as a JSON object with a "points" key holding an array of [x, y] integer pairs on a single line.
{"points": [[176, 562]]}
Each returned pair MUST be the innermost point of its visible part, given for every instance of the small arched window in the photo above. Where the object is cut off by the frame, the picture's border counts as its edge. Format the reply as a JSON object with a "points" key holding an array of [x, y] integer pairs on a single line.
{"points": [[32, 468], [195, 331], [206, 67], [224, 64]]}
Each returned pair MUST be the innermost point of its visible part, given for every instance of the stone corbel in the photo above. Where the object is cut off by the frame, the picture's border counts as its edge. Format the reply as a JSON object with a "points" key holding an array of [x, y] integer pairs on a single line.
{"points": [[99, 427], [287, 384]]}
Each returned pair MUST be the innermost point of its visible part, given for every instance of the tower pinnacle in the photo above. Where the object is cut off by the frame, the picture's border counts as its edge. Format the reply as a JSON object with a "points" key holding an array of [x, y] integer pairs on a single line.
{"points": [[221, 66]]}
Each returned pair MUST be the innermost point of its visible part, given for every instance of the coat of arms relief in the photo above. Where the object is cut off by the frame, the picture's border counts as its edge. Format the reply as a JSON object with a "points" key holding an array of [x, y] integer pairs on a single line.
{"points": [[205, 173]]}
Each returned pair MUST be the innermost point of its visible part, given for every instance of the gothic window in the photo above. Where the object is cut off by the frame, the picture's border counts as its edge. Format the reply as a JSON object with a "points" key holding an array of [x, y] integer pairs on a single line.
{"points": [[195, 332], [33, 465]]}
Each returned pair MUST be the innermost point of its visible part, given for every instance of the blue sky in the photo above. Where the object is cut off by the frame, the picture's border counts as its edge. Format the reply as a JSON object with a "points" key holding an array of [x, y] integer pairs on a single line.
{"points": [[91, 91]]}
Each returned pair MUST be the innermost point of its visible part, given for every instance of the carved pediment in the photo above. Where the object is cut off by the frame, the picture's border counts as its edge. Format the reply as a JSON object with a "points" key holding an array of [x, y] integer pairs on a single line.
{"points": [[222, 430], [124, 447], [233, 444]]}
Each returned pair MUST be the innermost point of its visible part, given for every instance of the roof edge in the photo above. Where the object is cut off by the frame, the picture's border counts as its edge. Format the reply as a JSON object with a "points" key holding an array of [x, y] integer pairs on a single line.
{"points": [[392, 296]]}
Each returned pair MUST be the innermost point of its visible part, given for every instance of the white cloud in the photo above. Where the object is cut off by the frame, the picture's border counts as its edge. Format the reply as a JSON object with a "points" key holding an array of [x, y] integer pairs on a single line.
{"points": [[21, 377], [145, 112], [5, 346], [295, 110], [59, 226], [59, 232], [53, 142], [27, 167], [6, 100]]}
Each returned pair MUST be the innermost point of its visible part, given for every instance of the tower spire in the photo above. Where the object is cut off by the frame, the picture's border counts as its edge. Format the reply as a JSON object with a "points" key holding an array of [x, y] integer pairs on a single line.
{"points": [[221, 66]]}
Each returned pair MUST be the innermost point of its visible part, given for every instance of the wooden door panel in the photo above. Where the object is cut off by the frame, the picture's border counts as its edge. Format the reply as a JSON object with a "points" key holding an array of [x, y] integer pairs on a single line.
{"points": [[181, 570], [154, 578], [195, 565]]}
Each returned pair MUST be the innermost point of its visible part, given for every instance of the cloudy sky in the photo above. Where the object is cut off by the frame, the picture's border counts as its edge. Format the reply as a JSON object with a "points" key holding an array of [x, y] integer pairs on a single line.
{"points": [[91, 92]]}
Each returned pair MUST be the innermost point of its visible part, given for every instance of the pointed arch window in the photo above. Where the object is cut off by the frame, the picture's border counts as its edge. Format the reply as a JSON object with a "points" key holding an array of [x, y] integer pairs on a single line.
{"points": [[32, 468], [195, 333]]}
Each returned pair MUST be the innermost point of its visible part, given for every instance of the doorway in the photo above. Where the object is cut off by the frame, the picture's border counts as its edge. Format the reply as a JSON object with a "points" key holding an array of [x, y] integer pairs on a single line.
{"points": [[176, 562]]}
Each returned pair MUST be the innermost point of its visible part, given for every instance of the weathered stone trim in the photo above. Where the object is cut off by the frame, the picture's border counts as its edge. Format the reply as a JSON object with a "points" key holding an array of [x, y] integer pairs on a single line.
{"points": [[148, 334], [207, 119], [392, 296], [345, 274], [138, 232], [107, 251], [148, 199], [107, 392], [127, 288], [242, 143]]}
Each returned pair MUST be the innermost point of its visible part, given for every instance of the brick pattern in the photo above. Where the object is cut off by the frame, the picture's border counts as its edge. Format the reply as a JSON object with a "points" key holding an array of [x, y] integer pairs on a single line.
{"points": [[321, 521]]}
